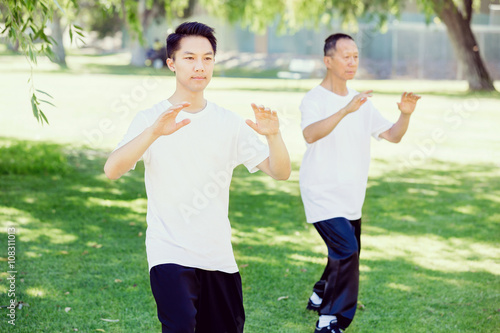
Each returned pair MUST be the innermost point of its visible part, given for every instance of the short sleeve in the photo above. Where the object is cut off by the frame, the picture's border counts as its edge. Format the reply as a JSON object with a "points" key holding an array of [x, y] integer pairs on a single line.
{"points": [[378, 123], [310, 112], [251, 151], [137, 126]]}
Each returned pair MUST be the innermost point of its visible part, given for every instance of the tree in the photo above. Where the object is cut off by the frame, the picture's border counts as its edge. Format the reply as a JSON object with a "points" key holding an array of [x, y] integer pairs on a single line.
{"points": [[57, 34], [455, 14], [147, 11], [457, 17], [139, 15]]}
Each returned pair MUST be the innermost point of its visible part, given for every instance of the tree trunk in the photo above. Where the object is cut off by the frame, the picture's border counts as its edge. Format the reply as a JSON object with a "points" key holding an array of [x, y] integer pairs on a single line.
{"points": [[57, 34], [464, 43], [138, 53], [146, 17]]}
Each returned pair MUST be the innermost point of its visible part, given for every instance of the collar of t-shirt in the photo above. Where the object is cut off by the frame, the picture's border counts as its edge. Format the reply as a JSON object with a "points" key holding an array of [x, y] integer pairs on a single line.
{"points": [[350, 92]]}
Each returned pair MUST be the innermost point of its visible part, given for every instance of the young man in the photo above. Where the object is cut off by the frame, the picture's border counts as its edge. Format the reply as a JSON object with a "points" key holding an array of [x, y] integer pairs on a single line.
{"points": [[190, 147], [337, 123]]}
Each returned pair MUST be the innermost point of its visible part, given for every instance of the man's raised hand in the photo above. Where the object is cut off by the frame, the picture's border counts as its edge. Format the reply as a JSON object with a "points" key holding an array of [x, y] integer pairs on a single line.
{"points": [[408, 103], [166, 125], [266, 121], [357, 101]]}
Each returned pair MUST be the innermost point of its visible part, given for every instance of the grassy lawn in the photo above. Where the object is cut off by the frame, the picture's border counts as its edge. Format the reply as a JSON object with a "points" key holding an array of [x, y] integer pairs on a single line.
{"points": [[430, 260]]}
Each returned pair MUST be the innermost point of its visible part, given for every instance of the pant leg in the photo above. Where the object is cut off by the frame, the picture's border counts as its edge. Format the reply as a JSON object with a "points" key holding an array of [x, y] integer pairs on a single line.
{"points": [[175, 289], [319, 286], [341, 275], [221, 303]]}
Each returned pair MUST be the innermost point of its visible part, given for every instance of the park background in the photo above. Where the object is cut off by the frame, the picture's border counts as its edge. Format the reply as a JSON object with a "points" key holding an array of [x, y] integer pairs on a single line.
{"points": [[430, 259]]}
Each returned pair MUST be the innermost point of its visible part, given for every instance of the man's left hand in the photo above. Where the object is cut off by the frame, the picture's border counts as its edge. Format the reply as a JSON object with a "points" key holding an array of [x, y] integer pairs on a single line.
{"points": [[266, 121], [408, 103]]}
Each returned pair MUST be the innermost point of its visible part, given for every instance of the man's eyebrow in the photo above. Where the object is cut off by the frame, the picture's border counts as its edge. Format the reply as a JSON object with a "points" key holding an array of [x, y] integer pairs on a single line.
{"points": [[207, 53]]}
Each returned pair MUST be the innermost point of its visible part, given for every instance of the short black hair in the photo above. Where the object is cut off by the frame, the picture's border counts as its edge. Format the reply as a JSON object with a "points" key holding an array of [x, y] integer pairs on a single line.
{"points": [[331, 41], [187, 29]]}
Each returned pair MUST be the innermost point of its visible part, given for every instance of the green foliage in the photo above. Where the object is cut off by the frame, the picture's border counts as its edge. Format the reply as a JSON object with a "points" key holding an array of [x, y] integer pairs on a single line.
{"points": [[294, 15], [25, 23], [32, 158], [102, 17], [137, 13]]}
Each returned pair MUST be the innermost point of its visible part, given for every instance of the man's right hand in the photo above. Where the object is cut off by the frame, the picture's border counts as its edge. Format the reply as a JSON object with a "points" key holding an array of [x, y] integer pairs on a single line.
{"points": [[357, 101], [166, 125]]}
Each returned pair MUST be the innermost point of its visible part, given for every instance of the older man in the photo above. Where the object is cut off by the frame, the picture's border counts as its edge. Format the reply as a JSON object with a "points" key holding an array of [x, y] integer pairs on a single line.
{"points": [[337, 123]]}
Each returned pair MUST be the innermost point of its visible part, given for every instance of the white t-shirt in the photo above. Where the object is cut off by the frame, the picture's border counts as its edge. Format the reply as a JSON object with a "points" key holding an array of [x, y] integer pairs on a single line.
{"points": [[334, 170], [187, 176]]}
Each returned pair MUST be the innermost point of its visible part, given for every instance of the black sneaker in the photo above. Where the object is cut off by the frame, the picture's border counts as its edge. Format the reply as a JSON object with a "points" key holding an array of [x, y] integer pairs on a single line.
{"points": [[312, 306], [331, 328]]}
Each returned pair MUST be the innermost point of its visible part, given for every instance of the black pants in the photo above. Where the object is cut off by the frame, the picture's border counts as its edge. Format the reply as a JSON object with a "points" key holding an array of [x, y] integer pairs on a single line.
{"points": [[338, 286], [195, 300]]}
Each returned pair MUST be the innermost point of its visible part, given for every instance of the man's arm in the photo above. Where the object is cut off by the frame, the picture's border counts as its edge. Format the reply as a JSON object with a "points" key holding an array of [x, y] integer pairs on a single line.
{"points": [[277, 165], [123, 159], [406, 106], [322, 128]]}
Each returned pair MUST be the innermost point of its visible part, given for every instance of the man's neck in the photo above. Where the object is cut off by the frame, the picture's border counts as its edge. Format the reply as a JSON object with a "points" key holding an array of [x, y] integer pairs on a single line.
{"points": [[335, 85], [198, 102]]}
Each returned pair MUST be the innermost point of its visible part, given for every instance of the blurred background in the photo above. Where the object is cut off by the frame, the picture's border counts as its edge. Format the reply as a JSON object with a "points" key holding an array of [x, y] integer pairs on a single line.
{"points": [[397, 39]]}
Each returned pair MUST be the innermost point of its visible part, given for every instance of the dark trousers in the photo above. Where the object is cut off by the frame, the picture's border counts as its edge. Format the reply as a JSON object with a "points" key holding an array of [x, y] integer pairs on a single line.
{"points": [[195, 300], [338, 286]]}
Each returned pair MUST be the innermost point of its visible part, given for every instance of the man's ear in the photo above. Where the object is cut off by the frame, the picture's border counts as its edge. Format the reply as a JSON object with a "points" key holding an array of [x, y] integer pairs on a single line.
{"points": [[170, 64], [327, 60]]}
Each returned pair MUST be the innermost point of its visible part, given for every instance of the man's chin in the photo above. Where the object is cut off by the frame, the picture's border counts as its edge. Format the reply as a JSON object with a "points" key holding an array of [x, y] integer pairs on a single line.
{"points": [[198, 85]]}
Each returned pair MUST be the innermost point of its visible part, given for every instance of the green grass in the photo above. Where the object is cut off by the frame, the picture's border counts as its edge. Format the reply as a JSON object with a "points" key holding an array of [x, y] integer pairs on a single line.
{"points": [[430, 260]]}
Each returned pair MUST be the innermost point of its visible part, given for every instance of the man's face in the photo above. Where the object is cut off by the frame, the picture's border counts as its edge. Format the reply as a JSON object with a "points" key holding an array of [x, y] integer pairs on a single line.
{"points": [[193, 64], [343, 62]]}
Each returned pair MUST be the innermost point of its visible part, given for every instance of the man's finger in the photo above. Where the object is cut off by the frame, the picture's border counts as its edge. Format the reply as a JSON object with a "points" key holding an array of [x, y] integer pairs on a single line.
{"points": [[255, 107], [179, 107], [251, 124], [182, 123]]}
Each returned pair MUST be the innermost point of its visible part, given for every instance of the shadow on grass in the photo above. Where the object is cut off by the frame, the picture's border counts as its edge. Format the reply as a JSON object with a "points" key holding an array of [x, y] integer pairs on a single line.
{"points": [[445, 199], [77, 235], [80, 244]]}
